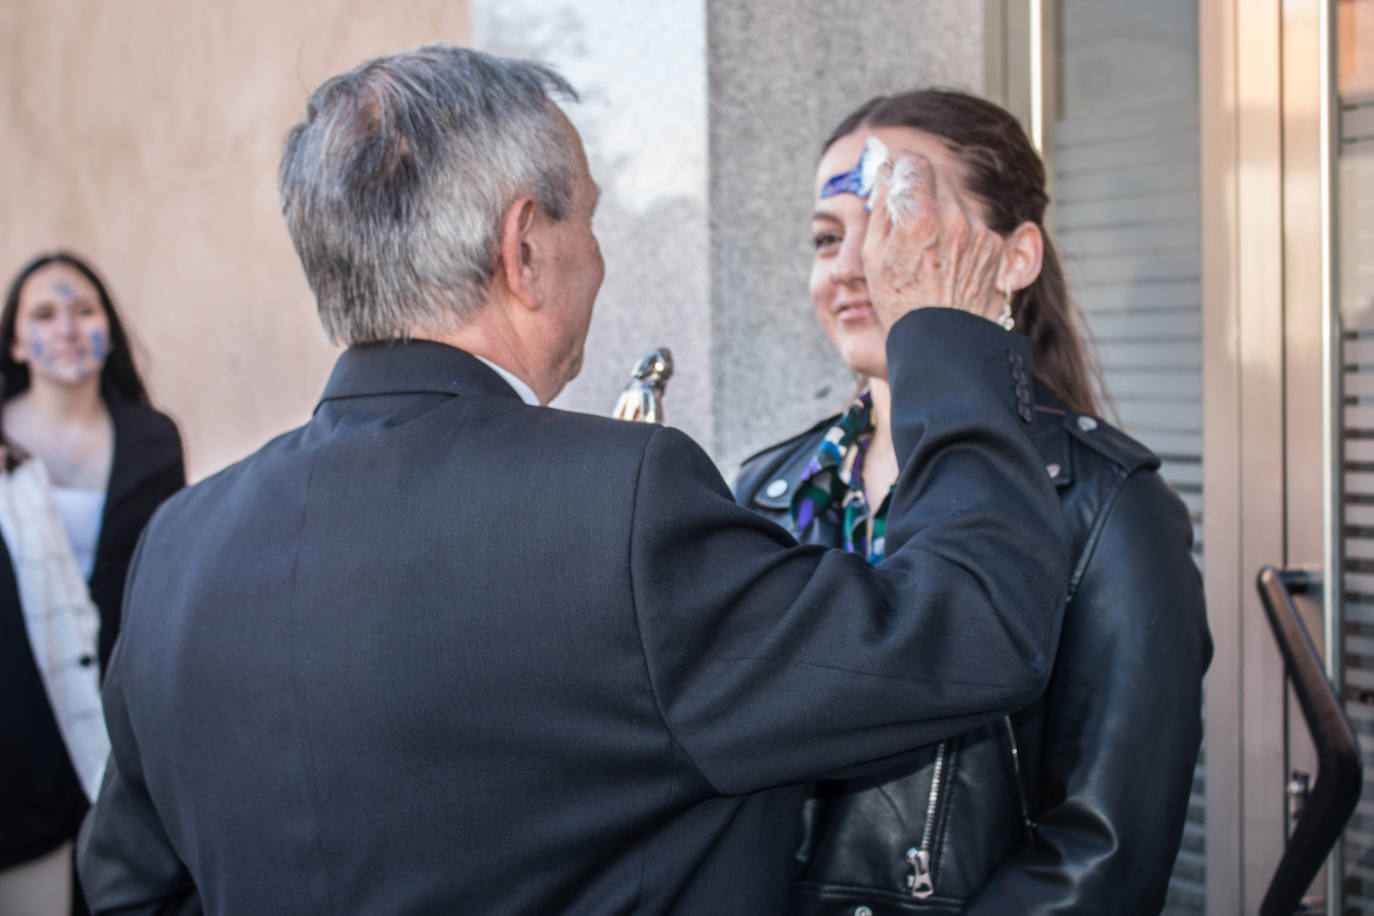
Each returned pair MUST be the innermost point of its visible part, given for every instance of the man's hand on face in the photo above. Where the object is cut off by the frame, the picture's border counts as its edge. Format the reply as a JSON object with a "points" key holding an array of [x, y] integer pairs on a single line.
{"points": [[925, 246]]}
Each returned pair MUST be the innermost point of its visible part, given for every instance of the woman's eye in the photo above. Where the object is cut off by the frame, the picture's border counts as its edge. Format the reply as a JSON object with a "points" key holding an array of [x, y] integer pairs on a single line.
{"points": [[825, 240], [41, 314]]}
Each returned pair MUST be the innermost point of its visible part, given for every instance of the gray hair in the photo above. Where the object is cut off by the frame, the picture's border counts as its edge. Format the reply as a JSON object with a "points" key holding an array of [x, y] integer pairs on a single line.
{"points": [[395, 184]]}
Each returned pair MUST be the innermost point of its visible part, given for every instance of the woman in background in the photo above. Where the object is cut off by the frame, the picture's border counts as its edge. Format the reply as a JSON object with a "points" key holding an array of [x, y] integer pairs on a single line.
{"points": [[1077, 803], [86, 461]]}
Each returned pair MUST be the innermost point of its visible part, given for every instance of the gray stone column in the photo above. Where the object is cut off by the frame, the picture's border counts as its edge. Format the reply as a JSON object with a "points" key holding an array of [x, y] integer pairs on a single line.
{"points": [[702, 121], [640, 69], [782, 73]]}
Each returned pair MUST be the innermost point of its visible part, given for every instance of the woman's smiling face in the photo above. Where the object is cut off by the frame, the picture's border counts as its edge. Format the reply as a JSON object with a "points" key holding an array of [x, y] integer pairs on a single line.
{"points": [[839, 292], [60, 331]]}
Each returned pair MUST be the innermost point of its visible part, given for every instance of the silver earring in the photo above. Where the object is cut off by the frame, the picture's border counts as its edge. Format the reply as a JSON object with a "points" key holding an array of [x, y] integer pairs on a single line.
{"points": [[1005, 320]]}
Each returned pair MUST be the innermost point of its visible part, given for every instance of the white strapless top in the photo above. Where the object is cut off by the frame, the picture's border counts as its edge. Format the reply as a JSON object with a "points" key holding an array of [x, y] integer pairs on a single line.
{"points": [[81, 510]]}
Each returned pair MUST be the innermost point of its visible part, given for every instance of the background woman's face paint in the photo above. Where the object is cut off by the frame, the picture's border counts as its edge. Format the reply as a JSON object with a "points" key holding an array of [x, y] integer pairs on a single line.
{"points": [[61, 331]]}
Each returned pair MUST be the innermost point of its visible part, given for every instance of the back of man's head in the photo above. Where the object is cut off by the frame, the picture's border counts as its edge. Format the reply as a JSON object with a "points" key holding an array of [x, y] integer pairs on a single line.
{"points": [[394, 184]]}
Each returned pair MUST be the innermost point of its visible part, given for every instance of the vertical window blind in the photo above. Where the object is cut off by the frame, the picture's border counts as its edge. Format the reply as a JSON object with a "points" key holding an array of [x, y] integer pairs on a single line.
{"points": [[1355, 284]]}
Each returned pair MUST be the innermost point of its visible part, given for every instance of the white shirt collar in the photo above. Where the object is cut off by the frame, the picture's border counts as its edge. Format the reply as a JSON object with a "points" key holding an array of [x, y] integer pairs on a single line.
{"points": [[525, 391]]}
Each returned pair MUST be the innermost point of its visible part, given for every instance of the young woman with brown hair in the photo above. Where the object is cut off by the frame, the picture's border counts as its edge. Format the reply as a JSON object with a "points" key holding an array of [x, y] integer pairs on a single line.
{"points": [[1077, 803]]}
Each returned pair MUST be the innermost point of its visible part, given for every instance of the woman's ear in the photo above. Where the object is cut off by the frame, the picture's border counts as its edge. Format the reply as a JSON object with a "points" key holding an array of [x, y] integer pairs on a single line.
{"points": [[1021, 257], [518, 266]]}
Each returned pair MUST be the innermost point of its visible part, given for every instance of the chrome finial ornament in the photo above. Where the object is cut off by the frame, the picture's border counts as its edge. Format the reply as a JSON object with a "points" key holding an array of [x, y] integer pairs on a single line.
{"points": [[642, 399]]}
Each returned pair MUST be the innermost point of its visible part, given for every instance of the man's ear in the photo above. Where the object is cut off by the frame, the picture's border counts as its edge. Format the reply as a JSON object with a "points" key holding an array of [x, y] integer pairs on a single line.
{"points": [[1021, 257], [519, 262]]}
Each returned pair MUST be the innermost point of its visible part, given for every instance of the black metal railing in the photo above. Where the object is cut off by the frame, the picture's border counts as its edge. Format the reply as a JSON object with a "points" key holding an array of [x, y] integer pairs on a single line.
{"points": [[1330, 798]]}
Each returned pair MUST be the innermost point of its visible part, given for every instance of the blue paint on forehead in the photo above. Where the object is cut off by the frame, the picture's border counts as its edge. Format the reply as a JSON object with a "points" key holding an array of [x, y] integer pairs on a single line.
{"points": [[850, 182], [862, 178], [65, 289]]}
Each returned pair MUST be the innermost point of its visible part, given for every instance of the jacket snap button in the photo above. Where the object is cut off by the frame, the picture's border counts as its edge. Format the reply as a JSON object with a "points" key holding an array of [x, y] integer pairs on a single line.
{"points": [[1053, 469], [1087, 424], [776, 488]]}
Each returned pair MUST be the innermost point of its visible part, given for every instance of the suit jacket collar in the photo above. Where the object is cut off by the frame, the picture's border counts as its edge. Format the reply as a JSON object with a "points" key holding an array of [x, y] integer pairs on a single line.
{"points": [[411, 367]]}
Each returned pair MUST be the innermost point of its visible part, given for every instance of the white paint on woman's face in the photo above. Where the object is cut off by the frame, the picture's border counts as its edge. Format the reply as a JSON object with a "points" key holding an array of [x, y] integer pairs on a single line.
{"points": [[61, 330]]}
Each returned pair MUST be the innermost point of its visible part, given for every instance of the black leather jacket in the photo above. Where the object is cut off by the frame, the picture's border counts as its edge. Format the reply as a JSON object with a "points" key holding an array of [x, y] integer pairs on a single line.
{"points": [[1077, 803]]}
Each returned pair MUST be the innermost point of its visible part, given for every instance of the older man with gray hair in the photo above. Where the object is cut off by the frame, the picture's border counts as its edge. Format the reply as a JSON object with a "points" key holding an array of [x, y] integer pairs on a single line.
{"points": [[446, 650]]}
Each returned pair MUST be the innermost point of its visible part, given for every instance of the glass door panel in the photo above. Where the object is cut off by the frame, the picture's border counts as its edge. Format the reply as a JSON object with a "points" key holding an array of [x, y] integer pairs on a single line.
{"points": [[1353, 190]]}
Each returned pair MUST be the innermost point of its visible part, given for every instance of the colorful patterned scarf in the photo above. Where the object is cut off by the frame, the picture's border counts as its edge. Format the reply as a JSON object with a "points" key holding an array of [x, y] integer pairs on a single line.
{"points": [[835, 478]]}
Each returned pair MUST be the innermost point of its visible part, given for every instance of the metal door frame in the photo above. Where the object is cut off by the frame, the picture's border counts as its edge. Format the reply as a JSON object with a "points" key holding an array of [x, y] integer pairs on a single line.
{"points": [[1271, 379]]}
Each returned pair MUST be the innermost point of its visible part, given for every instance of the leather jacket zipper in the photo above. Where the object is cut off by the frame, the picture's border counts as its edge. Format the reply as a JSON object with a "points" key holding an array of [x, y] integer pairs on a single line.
{"points": [[921, 883]]}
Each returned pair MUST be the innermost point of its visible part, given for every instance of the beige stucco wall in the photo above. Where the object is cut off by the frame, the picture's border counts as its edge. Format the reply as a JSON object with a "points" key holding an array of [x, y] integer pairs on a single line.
{"points": [[145, 135]]}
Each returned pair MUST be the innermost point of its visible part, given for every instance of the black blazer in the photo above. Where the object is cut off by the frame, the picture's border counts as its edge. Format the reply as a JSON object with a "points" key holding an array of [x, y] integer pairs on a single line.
{"points": [[147, 468], [438, 651], [42, 801]]}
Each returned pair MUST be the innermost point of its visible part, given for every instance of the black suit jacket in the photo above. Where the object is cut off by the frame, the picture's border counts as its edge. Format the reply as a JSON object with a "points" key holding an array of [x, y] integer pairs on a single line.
{"points": [[146, 469], [438, 651]]}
